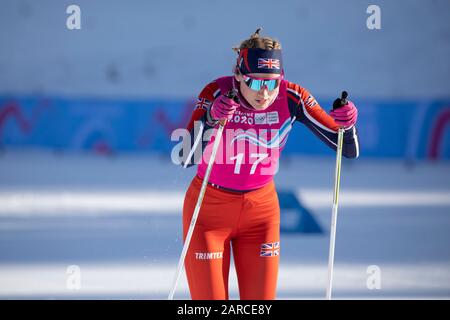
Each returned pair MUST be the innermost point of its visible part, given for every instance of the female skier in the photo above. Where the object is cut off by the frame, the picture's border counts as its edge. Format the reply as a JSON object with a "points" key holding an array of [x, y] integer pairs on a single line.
{"points": [[240, 210]]}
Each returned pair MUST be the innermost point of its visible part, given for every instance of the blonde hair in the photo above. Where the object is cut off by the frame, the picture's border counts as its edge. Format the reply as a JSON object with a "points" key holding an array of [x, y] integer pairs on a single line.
{"points": [[256, 41]]}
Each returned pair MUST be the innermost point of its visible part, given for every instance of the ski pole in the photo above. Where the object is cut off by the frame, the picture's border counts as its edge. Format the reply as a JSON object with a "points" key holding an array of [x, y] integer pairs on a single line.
{"points": [[218, 137], [334, 211]]}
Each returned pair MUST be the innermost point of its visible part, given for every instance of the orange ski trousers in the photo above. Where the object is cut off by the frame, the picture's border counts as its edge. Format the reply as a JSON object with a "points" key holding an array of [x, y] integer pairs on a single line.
{"points": [[249, 223]]}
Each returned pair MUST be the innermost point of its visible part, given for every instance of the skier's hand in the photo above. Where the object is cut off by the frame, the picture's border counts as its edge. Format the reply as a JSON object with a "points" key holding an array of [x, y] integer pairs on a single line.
{"points": [[223, 108], [345, 115]]}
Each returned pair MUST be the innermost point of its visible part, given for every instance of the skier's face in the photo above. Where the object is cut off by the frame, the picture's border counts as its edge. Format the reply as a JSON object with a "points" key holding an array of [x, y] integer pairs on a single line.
{"points": [[262, 98]]}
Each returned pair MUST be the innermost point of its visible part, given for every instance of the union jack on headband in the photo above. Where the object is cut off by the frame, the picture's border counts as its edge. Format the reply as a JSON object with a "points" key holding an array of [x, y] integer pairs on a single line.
{"points": [[270, 249], [264, 63]]}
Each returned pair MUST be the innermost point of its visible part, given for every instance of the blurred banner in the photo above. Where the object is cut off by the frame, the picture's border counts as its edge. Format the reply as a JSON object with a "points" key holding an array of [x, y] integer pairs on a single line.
{"points": [[387, 129]]}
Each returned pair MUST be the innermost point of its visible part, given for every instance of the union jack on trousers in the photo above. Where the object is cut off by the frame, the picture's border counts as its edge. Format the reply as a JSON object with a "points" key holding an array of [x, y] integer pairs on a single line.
{"points": [[270, 249], [268, 63]]}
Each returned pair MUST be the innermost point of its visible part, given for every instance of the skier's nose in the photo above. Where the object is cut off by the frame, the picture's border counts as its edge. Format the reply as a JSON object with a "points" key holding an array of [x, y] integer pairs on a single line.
{"points": [[264, 92]]}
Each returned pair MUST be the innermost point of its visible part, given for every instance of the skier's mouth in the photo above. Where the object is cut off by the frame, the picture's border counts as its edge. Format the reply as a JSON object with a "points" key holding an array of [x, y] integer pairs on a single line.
{"points": [[261, 101]]}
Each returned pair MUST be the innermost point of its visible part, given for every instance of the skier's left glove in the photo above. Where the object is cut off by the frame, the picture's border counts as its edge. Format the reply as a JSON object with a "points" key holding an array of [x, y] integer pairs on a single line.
{"points": [[345, 115]]}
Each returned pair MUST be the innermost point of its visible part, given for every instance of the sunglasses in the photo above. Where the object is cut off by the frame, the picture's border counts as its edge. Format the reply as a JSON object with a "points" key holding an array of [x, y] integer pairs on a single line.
{"points": [[257, 84]]}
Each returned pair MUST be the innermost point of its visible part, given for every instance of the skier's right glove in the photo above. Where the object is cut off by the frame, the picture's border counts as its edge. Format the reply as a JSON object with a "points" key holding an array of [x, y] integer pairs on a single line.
{"points": [[223, 107], [346, 115], [344, 111]]}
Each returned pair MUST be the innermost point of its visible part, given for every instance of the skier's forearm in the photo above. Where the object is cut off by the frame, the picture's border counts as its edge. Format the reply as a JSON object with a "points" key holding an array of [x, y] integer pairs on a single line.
{"points": [[350, 147], [195, 143]]}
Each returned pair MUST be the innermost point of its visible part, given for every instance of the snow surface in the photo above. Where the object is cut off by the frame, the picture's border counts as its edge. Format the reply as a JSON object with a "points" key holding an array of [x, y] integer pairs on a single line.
{"points": [[119, 220]]}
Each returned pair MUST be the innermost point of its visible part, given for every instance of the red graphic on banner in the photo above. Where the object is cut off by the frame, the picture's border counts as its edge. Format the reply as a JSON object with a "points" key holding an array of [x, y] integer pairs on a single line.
{"points": [[437, 134], [12, 109], [163, 118], [102, 147]]}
